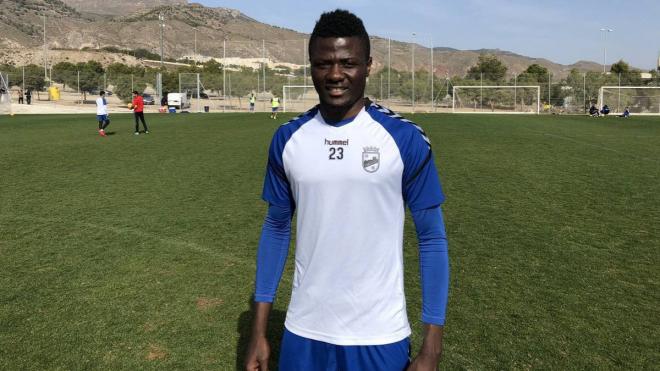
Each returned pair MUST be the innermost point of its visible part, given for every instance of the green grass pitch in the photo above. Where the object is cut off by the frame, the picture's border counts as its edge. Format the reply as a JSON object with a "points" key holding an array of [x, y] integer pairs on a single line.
{"points": [[138, 252]]}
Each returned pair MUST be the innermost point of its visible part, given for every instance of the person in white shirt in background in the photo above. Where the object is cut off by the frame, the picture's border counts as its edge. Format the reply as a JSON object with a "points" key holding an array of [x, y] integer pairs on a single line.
{"points": [[102, 113]]}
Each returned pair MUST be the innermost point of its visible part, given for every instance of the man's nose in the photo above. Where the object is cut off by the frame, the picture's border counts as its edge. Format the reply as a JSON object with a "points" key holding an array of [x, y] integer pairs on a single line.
{"points": [[336, 72]]}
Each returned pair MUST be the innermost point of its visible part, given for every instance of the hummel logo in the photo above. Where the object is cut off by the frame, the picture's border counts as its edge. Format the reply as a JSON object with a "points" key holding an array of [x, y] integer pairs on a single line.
{"points": [[336, 142]]}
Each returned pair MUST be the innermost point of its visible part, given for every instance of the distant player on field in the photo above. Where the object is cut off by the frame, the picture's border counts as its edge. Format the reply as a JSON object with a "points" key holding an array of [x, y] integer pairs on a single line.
{"points": [[275, 106], [102, 113], [138, 112], [347, 168], [253, 99]]}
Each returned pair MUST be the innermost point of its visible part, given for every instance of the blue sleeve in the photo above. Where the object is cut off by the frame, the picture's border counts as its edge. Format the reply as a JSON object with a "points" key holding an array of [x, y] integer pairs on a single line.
{"points": [[277, 190], [433, 264], [421, 184], [272, 252]]}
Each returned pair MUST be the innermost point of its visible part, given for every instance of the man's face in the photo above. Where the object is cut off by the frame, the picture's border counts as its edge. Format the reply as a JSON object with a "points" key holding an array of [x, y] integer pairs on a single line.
{"points": [[340, 68]]}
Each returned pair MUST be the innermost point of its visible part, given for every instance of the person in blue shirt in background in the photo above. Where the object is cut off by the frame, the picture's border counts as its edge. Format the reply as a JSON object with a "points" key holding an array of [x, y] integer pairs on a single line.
{"points": [[605, 110]]}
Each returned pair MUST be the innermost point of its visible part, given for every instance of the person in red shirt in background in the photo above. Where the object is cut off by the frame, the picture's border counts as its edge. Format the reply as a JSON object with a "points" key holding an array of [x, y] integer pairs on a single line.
{"points": [[138, 111]]}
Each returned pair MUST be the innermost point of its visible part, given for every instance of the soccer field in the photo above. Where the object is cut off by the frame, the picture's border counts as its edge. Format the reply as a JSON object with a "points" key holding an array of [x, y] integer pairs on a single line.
{"points": [[138, 252]]}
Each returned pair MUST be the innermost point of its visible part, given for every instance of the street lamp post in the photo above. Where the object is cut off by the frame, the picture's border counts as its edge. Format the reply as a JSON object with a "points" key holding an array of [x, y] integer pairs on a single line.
{"points": [[161, 19], [195, 52], [605, 31], [45, 52], [389, 65], [413, 72], [432, 73]]}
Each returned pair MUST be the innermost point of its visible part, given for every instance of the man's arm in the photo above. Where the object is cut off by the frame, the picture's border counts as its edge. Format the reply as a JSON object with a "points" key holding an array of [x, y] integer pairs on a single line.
{"points": [[434, 277], [258, 352], [271, 258]]}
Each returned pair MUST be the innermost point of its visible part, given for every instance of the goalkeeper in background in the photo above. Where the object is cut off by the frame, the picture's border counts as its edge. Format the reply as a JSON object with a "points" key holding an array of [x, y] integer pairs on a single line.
{"points": [[138, 112]]}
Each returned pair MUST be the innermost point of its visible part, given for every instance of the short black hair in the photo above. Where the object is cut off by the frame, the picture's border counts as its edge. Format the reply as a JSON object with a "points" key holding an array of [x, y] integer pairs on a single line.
{"points": [[101, 92], [135, 92], [340, 23]]}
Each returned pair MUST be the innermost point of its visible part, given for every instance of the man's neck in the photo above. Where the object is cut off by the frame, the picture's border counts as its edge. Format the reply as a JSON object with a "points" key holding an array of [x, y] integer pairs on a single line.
{"points": [[332, 115]]}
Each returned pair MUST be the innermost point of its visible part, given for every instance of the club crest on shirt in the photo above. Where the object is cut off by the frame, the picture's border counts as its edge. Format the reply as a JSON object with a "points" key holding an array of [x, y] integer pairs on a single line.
{"points": [[370, 159]]}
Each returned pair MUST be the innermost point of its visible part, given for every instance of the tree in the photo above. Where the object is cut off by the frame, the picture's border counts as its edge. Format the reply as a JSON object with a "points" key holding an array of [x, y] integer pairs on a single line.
{"points": [[491, 68], [34, 77], [537, 73], [65, 73], [91, 74], [620, 67]]}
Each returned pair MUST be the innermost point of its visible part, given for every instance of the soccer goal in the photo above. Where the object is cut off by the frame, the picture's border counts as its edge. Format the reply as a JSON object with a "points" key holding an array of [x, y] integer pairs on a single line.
{"points": [[298, 98], [496, 99], [191, 85], [641, 100], [5, 95]]}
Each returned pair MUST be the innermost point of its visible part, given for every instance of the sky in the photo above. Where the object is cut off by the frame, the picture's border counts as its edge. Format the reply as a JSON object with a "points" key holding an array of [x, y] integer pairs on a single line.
{"points": [[562, 31]]}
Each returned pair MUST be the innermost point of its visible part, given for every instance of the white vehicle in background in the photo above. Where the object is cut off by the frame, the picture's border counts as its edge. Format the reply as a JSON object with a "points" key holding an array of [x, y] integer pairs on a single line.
{"points": [[178, 100]]}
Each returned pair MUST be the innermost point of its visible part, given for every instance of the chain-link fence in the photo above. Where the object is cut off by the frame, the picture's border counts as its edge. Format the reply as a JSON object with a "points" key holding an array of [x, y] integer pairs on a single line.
{"points": [[405, 77]]}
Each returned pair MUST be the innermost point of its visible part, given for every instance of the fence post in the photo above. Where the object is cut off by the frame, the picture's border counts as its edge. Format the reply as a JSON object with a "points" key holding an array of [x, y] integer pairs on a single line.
{"points": [[199, 102], [381, 87], [584, 92], [159, 86], [515, 93], [304, 66], [618, 103], [224, 75], [549, 83], [481, 93]]}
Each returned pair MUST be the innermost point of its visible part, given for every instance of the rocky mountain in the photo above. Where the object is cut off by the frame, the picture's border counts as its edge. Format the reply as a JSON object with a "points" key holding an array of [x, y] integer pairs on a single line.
{"points": [[118, 7], [73, 25]]}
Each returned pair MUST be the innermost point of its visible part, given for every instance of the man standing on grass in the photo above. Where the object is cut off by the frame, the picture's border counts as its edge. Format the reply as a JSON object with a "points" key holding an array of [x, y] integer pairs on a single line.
{"points": [[348, 167], [102, 113], [253, 100], [275, 106], [138, 112]]}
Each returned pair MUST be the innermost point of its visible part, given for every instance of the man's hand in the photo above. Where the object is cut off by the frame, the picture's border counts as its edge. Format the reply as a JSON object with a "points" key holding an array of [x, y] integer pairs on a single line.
{"points": [[258, 354], [428, 357]]}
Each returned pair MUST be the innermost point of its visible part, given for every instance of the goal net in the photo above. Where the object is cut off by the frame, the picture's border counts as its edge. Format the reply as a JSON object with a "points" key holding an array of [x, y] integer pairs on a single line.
{"points": [[190, 84], [298, 98], [5, 94], [496, 99], [641, 100]]}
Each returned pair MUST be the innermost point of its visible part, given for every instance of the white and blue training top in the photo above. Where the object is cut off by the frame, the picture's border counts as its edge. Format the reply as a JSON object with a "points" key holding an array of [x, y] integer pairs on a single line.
{"points": [[101, 106], [349, 182]]}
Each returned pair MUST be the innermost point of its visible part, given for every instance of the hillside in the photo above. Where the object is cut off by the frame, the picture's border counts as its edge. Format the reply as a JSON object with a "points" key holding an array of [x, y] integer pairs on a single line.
{"points": [[72, 25], [118, 7]]}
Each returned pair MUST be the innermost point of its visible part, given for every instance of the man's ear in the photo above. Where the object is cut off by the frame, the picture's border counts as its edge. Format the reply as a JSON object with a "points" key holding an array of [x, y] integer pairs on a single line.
{"points": [[369, 66]]}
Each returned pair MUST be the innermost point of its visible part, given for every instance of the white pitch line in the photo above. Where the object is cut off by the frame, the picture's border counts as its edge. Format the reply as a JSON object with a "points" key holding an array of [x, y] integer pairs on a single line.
{"points": [[122, 230]]}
